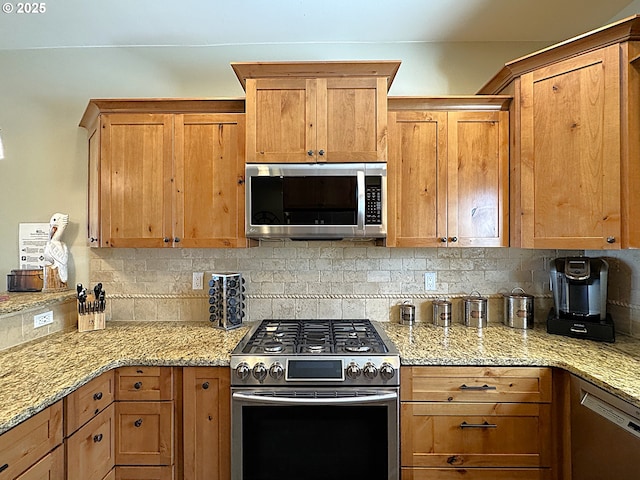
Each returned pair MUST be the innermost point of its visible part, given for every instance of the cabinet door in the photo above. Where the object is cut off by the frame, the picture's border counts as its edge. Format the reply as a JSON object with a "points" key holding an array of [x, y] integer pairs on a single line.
{"points": [[209, 187], [206, 420], [417, 179], [144, 433], [94, 233], [144, 383], [144, 473], [90, 451], [51, 467], [351, 119], [281, 116], [460, 435], [570, 153], [478, 179], [136, 175]]}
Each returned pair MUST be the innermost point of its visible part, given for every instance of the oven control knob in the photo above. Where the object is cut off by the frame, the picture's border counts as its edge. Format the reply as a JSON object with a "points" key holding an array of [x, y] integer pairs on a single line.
{"points": [[276, 371], [353, 370], [370, 370], [387, 371], [243, 370], [259, 371]]}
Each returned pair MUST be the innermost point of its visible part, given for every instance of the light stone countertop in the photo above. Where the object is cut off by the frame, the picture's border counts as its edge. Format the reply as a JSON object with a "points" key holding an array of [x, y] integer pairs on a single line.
{"points": [[39, 373]]}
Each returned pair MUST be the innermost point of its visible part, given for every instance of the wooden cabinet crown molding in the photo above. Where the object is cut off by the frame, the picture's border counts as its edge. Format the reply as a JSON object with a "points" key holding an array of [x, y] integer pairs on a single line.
{"points": [[617, 32], [158, 105], [352, 68], [450, 102]]}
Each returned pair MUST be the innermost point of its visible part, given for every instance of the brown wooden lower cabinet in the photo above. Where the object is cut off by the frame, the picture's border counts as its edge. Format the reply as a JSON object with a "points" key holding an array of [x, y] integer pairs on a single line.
{"points": [[51, 467], [476, 423], [206, 423], [91, 450], [144, 433]]}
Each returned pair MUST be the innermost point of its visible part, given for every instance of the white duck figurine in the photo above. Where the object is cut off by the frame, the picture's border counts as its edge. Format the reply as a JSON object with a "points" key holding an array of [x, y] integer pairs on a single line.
{"points": [[56, 252]]}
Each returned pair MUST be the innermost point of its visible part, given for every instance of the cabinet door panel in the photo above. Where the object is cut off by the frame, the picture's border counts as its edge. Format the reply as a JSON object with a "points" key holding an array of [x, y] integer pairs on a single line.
{"points": [[476, 474], [352, 120], [571, 153], [144, 433], [474, 435], [144, 473], [206, 419], [91, 450], [209, 186], [137, 157], [478, 178], [51, 467], [417, 178], [280, 120]]}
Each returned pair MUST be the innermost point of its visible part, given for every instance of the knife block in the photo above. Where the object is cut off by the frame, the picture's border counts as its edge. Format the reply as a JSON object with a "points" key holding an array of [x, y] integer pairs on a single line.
{"points": [[90, 321]]}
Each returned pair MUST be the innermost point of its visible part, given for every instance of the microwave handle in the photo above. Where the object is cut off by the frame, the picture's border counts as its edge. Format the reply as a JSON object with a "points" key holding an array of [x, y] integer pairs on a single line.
{"points": [[360, 199]]}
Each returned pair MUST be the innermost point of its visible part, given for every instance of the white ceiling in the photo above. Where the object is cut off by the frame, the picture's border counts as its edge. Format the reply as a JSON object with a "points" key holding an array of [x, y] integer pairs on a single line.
{"points": [[103, 23]]}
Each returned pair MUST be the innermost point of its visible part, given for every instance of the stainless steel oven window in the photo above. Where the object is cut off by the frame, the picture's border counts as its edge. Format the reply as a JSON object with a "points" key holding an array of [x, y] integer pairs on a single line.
{"points": [[315, 434]]}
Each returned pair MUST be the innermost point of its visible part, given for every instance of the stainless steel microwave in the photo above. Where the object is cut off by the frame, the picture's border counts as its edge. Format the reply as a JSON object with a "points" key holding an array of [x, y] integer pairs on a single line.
{"points": [[316, 201]]}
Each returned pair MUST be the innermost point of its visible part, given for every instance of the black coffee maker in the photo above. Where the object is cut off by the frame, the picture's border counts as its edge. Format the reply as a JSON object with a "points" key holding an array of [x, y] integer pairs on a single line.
{"points": [[579, 286]]}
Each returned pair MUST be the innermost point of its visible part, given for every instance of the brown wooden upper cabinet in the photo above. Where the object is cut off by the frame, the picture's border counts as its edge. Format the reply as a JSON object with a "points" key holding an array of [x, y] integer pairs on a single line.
{"points": [[575, 145], [302, 112], [448, 172], [166, 173]]}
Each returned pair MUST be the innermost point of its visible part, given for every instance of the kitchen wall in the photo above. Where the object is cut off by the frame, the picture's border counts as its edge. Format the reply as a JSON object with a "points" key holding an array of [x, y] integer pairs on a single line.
{"points": [[318, 279]]}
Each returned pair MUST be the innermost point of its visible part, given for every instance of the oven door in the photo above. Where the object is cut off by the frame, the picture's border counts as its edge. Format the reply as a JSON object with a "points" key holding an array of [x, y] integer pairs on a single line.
{"points": [[315, 434]]}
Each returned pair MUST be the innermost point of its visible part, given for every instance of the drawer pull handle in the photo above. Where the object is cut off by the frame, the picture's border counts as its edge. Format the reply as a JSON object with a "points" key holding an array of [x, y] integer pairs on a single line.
{"points": [[4, 467], [97, 396], [478, 425], [483, 387], [97, 438], [138, 422], [137, 385], [205, 385]]}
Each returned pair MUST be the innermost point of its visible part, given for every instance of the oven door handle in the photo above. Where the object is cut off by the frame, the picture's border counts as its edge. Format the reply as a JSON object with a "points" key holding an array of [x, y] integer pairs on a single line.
{"points": [[361, 201], [281, 400]]}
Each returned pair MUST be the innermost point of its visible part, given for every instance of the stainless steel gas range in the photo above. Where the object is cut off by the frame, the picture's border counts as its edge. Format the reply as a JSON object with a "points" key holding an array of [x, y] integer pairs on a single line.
{"points": [[315, 399]]}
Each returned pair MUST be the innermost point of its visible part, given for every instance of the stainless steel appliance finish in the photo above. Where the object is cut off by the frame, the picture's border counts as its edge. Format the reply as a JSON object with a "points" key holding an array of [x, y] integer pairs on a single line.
{"points": [[579, 286], [316, 201], [226, 300], [307, 390], [605, 434], [518, 309]]}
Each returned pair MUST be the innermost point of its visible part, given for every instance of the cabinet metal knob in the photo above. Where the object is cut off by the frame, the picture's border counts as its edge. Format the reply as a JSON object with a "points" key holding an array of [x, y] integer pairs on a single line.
{"points": [[137, 385], [453, 239], [138, 422], [443, 239], [93, 239], [176, 240], [310, 153], [321, 152], [97, 396], [205, 385], [611, 239], [166, 240], [97, 438]]}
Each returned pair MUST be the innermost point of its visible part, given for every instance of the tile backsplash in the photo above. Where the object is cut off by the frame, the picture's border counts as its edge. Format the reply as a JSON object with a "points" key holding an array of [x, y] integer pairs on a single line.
{"points": [[327, 279]]}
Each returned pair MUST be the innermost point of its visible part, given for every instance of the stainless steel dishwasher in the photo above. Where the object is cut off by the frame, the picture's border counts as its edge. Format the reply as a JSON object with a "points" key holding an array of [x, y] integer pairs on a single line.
{"points": [[605, 434]]}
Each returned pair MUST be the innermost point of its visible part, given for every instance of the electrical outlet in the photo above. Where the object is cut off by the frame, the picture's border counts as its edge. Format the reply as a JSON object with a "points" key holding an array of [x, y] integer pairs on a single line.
{"points": [[198, 279], [42, 319], [430, 281]]}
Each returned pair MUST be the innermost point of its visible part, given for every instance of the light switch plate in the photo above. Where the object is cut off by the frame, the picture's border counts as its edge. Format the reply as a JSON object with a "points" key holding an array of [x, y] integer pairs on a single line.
{"points": [[42, 319]]}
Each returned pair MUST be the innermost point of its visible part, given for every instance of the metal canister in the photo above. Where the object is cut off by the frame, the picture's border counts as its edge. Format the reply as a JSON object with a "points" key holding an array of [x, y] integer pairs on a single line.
{"points": [[407, 313], [475, 310], [441, 312], [518, 309]]}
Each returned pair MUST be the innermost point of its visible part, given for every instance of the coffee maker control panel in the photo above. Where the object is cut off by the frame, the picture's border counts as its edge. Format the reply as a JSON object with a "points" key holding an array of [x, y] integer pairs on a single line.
{"points": [[578, 269]]}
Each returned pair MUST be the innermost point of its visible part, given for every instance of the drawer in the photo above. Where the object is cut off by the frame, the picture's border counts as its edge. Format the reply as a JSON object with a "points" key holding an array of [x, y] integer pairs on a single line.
{"points": [[25, 444], [476, 474], [476, 384], [144, 383], [144, 473], [457, 435], [87, 401], [51, 467], [91, 450], [144, 433]]}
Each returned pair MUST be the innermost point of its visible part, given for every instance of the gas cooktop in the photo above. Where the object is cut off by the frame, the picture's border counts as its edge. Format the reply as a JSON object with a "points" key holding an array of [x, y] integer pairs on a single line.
{"points": [[345, 352]]}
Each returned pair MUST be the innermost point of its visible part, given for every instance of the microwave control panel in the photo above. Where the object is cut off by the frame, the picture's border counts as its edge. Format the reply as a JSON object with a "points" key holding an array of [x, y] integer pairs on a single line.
{"points": [[373, 205]]}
